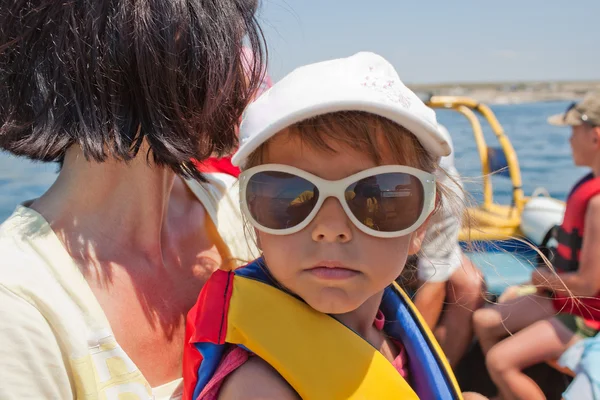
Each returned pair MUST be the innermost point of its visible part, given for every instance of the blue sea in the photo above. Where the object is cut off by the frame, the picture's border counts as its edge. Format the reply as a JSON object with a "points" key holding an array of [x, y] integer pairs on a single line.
{"points": [[543, 152]]}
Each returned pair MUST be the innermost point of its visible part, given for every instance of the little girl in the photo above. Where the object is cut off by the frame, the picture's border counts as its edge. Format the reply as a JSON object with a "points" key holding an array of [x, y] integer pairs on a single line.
{"points": [[337, 162]]}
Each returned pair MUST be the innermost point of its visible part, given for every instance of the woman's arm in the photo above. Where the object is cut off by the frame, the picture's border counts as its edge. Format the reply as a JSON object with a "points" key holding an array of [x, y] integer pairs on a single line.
{"points": [[256, 380], [586, 280]]}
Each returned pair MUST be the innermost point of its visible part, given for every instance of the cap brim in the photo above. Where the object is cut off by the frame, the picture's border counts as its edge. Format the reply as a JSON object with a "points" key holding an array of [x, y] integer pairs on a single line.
{"points": [[429, 136], [570, 119], [557, 120]]}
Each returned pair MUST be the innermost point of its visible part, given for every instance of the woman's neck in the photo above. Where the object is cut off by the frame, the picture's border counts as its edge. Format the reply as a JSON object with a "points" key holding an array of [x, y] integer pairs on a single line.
{"points": [[361, 319], [104, 207]]}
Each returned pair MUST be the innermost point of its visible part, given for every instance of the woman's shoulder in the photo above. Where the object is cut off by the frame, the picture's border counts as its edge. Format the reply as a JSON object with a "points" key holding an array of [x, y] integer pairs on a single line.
{"points": [[256, 379], [52, 326], [36, 269], [20, 235], [21, 224], [36, 320], [29, 346]]}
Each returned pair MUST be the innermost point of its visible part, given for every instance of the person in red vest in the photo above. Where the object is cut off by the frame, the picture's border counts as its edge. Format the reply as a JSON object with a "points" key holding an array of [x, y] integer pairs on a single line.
{"points": [[558, 308]]}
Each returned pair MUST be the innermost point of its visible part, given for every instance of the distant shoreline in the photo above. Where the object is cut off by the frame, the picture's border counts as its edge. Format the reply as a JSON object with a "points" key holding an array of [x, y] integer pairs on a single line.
{"points": [[511, 92]]}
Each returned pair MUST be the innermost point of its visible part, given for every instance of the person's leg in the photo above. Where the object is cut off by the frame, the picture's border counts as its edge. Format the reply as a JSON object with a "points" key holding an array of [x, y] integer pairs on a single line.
{"points": [[493, 323], [473, 396], [542, 341], [464, 295]]}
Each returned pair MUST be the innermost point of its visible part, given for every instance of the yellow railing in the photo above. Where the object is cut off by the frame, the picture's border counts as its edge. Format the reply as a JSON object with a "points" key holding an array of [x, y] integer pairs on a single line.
{"points": [[492, 220]]}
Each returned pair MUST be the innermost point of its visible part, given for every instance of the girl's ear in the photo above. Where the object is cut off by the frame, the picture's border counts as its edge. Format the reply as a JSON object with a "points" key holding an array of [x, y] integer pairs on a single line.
{"points": [[416, 240]]}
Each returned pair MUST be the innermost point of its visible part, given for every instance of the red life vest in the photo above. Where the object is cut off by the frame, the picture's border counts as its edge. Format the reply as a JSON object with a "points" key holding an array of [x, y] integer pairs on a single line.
{"points": [[568, 251]]}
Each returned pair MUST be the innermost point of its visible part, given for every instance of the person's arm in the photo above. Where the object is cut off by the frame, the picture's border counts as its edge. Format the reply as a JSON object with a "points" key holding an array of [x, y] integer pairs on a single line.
{"points": [[31, 362], [256, 380], [430, 301], [586, 280]]}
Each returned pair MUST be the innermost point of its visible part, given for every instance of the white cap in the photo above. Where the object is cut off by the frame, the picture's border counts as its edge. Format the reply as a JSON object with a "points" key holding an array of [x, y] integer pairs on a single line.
{"points": [[363, 82], [446, 168], [447, 162]]}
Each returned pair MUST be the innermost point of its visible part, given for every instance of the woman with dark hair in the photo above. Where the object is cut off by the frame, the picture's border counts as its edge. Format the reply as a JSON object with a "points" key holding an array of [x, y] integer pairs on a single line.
{"points": [[97, 274]]}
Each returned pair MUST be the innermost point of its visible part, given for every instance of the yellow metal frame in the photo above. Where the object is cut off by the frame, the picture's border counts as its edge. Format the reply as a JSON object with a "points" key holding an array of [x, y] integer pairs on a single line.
{"points": [[489, 221]]}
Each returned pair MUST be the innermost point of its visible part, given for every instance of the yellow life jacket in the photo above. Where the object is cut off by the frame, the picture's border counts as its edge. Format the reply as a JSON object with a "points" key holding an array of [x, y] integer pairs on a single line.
{"points": [[317, 355]]}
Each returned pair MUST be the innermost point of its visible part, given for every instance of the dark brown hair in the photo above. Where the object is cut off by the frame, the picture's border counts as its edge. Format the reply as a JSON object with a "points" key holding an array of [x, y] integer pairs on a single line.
{"points": [[108, 74]]}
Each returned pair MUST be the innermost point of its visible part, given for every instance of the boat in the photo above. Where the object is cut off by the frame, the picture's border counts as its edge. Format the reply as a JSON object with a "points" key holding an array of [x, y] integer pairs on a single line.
{"points": [[502, 239]]}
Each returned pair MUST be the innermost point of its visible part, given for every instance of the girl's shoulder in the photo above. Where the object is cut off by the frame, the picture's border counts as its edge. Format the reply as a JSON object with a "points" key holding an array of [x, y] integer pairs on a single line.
{"points": [[256, 379]]}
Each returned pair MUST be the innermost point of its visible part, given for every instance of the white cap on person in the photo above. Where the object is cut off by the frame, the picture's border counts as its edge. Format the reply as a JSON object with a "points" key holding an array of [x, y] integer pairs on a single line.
{"points": [[363, 82]]}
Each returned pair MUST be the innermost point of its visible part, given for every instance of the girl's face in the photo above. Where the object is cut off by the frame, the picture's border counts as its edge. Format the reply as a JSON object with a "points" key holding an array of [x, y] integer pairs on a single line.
{"points": [[331, 264]]}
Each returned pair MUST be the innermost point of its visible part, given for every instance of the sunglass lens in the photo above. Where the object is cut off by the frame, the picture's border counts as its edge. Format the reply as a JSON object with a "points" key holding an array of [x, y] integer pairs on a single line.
{"points": [[279, 200], [388, 202]]}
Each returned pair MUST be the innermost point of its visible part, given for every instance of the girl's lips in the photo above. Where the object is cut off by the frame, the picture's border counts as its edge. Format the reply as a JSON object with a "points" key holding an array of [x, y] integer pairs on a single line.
{"points": [[333, 273], [332, 270]]}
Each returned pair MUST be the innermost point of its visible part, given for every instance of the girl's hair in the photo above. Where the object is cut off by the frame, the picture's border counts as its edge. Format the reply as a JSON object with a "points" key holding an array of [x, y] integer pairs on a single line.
{"points": [[108, 74], [357, 130]]}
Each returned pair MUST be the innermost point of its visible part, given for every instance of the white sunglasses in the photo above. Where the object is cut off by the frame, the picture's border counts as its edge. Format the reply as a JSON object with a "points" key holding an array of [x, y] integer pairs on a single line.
{"points": [[386, 201]]}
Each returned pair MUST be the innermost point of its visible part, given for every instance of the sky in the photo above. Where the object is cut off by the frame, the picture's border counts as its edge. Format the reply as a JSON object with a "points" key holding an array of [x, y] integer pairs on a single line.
{"points": [[440, 41]]}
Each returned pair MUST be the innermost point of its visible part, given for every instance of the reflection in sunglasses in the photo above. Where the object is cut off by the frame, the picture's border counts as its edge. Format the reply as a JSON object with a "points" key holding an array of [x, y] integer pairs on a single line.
{"points": [[396, 193], [303, 197], [301, 207]]}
